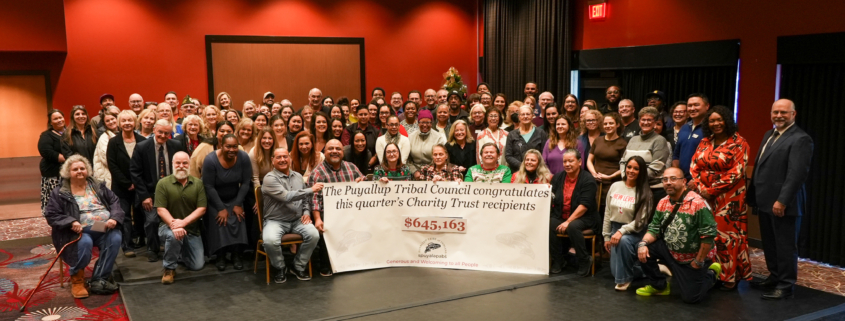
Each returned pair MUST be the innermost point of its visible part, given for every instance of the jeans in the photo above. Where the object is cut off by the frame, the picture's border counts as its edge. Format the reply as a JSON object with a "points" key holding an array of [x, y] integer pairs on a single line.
{"points": [[624, 264], [693, 283], [189, 250], [272, 236], [151, 230], [109, 245]]}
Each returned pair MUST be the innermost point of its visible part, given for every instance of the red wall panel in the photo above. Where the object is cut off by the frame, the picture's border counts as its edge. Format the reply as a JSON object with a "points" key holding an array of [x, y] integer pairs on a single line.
{"points": [[152, 47], [756, 23], [32, 25]]}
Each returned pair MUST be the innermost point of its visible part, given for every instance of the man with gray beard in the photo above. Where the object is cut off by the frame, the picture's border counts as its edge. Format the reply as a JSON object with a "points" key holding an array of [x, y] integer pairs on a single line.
{"points": [[180, 201]]}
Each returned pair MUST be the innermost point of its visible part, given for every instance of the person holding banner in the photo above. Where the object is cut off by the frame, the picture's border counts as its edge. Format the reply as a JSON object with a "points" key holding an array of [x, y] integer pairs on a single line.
{"points": [[573, 211], [489, 171], [440, 168], [333, 170], [533, 169], [288, 210], [392, 168]]}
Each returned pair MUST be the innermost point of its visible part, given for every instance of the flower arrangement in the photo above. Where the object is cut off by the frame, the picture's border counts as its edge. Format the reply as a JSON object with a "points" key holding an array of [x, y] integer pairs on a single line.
{"points": [[452, 82]]}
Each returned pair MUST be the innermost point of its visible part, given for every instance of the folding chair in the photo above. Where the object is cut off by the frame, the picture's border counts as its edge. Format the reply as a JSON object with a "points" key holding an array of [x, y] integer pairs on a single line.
{"points": [[591, 235], [287, 239]]}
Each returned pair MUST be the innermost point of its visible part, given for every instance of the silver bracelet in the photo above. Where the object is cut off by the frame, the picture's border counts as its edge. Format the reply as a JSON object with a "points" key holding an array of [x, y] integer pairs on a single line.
{"points": [[641, 244]]}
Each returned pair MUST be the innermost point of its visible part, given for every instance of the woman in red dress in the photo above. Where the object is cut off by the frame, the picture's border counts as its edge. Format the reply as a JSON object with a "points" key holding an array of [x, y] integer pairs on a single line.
{"points": [[718, 175]]}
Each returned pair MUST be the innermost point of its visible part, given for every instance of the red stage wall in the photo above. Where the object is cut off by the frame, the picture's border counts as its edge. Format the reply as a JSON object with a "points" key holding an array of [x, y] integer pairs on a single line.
{"points": [[757, 24], [152, 47]]}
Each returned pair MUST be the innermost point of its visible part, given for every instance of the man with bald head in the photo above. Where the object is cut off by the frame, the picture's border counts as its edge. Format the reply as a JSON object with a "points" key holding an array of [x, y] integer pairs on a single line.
{"points": [[777, 193], [681, 235], [333, 170], [430, 100], [136, 103], [315, 100], [544, 100], [442, 94], [180, 202], [287, 209]]}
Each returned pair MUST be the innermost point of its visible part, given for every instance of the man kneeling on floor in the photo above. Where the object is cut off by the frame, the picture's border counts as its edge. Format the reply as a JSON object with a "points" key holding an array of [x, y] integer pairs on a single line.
{"points": [[287, 209], [681, 235], [180, 201]]}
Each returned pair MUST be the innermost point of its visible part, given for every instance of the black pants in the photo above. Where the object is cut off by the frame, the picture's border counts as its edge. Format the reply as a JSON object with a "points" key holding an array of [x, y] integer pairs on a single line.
{"points": [[780, 238], [575, 231], [693, 283], [129, 231]]}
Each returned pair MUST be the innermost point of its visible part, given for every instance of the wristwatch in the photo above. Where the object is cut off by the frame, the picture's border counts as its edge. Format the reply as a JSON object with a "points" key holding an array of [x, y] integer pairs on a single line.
{"points": [[699, 263], [641, 244]]}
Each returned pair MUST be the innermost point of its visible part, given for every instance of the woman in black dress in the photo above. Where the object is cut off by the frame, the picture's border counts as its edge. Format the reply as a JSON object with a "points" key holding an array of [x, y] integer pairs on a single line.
{"points": [[227, 175], [53, 152]]}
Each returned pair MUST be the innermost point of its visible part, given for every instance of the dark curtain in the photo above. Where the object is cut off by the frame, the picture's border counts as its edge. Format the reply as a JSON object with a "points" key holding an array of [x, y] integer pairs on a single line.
{"points": [[818, 91], [527, 40], [718, 83]]}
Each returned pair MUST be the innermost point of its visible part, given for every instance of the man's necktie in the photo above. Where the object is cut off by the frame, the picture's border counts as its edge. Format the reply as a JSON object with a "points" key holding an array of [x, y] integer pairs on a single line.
{"points": [[771, 142], [162, 167]]}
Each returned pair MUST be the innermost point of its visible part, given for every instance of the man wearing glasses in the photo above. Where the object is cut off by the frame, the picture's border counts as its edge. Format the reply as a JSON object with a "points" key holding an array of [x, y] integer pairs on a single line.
{"points": [[136, 103], [657, 99], [612, 95], [691, 133], [393, 136], [681, 235]]}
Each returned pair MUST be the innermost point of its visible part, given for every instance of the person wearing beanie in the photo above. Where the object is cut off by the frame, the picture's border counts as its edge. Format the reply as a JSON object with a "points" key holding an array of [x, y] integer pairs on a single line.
{"points": [[423, 140], [455, 112]]}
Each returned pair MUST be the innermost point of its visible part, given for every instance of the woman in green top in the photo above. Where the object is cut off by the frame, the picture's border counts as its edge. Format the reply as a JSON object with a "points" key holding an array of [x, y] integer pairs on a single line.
{"points": [[489, 171], [391, 168]]}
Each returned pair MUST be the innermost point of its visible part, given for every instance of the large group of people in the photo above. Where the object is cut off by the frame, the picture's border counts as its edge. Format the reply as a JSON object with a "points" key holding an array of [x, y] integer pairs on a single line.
{"points": [[665, 187]]}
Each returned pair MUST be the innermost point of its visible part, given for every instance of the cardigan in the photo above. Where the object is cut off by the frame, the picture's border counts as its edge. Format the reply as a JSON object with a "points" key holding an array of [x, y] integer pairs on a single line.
{"points": [[50, 146], [516, 147], [583, 194]]}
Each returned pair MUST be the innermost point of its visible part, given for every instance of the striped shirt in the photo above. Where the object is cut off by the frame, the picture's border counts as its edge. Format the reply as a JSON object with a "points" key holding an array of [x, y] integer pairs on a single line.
{"points": [[325, 173]]}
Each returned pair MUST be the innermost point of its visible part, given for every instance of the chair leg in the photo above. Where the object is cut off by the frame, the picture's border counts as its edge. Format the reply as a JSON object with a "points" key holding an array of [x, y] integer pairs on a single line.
{"points": [[61, 273], [255, 264], [593, 253], [267, 267], [309, 269]]}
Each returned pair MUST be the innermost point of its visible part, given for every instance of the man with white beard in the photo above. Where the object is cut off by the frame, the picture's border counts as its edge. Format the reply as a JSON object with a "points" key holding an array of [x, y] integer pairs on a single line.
{"points": [[180, 201]]}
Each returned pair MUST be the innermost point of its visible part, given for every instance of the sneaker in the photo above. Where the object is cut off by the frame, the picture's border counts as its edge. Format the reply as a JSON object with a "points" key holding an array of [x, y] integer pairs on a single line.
{"points": [[649, 290], [556, 269], [326, 272], [99, 287], [622, 286], [301, 275], [584, 267], [280, 277], [716, 268], [168, 276]]}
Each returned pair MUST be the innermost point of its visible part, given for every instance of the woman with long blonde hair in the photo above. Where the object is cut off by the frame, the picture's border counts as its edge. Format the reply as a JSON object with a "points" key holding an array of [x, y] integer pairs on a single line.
{"points": [[145, 123], [210, 117], [533, 170]]}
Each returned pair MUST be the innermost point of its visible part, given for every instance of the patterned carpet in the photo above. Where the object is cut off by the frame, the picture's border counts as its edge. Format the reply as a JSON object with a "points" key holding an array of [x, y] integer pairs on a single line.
{"points": [[21, 267]]}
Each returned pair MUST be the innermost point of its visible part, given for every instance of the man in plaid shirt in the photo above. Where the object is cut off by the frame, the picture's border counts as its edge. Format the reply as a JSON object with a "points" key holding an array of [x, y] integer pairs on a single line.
{"points": [[333, 170]]}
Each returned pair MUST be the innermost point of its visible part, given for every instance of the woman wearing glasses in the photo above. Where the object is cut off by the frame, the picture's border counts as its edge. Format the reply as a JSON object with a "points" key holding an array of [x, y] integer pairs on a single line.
{"points": [[653, 148]]}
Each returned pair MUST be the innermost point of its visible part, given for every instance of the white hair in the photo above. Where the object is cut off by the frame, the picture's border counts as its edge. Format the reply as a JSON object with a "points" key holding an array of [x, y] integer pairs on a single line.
{"points": [[64, 172], [162, 122], [547, 93]]}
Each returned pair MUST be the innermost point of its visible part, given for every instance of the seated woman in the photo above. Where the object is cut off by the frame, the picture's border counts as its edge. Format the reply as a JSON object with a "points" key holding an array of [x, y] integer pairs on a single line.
{"points": [[358, 154], [628, 212], [573, 211], [391, 167], [489, 171], [440, 169], [74, 208], [533, 170]]}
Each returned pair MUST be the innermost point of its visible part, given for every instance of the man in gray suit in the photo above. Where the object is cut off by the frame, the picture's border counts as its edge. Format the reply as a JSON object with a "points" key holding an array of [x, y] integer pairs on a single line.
{"points": [[777, 192]]}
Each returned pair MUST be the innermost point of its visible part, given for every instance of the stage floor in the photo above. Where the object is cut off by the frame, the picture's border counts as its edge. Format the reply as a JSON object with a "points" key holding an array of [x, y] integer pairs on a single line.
{"points": [[427, 294]]}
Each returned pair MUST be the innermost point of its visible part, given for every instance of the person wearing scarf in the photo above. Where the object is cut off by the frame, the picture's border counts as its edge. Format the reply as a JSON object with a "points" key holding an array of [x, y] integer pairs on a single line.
{"points": [[423, 140]]}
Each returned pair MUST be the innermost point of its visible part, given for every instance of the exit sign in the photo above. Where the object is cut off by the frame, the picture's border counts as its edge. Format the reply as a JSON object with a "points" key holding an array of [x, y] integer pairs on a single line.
{"points": [[597, 10]]}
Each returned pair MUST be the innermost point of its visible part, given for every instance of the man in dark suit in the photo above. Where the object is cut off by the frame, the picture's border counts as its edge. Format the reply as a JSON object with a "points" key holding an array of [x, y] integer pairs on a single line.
{"points": [[777, 192], [151, 162], [118, 158]]}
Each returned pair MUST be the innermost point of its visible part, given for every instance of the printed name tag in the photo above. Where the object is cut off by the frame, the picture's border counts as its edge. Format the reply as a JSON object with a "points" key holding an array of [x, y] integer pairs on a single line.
{"points": [[694, 135]]}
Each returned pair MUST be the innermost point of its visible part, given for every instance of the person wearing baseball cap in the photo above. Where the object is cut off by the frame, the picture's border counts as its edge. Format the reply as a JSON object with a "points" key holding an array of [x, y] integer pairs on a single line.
{"points": [[657, 99], [269, 98], [454, 100], [106, 100]]}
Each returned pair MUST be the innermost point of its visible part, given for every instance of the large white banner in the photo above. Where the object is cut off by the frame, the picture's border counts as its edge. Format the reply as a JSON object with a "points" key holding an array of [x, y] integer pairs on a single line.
{"points": [[478, 226]]}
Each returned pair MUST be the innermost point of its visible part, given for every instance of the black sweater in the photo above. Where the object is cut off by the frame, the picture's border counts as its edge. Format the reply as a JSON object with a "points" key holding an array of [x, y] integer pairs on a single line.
{"points": [[50, 146], [583, 194]]}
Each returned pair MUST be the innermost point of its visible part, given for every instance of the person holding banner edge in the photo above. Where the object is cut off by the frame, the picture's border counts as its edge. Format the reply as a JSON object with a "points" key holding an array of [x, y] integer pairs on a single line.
{"points": [[332, 170], [573, 211], [288, 210]]}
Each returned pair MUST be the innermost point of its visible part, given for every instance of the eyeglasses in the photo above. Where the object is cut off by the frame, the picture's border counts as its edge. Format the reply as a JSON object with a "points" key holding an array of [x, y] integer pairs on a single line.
{"points": [[590, 121], [671, 179], [392, 125], [391, 152], [610, 92], [655, 98]]}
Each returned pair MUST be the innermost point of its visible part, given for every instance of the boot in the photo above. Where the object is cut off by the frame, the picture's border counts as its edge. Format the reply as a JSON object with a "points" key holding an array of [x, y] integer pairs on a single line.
{"points": [[77, 282]]}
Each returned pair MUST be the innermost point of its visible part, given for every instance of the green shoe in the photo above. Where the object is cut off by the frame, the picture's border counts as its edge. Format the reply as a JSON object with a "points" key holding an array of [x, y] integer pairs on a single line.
{"points": [[717, 268], [649, 290]]}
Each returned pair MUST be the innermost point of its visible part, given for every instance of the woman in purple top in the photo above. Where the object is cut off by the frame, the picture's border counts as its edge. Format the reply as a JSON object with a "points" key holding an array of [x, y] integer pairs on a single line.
{"points": [[562, 137]]}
